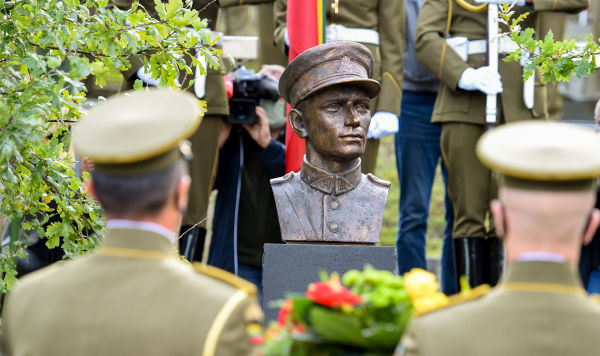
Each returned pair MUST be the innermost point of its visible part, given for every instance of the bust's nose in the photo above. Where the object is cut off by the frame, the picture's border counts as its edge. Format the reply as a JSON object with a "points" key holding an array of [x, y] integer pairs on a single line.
{"points": [[352, 118]]}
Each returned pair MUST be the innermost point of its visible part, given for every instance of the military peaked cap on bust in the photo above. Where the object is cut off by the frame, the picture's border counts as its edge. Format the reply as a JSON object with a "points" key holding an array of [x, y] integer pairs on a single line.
{"points": [[138, 132], [542, 155], [326, 65]]}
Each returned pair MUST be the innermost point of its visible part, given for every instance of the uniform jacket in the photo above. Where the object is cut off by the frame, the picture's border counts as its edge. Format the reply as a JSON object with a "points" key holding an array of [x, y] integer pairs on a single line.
{"points": [[384, 16], [457, 105], [315, 205], [133, 296], [539, 308]]}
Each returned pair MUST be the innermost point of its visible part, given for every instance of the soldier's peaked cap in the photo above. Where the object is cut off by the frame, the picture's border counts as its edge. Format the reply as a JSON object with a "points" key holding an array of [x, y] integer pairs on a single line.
{"points": [[138, 132], [542, 155], [326, 65]]}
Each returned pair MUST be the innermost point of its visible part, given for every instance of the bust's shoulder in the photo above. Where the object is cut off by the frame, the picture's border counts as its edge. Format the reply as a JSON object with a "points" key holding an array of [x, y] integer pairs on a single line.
{"points": [[378, 181], [283, 179]]}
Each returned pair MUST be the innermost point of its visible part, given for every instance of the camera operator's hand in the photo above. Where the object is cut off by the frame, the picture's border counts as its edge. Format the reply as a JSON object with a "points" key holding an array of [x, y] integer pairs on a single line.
{"points": [[260, 131]]}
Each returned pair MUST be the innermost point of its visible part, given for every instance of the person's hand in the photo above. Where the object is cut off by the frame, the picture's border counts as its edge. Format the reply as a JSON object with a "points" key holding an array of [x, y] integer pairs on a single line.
{"points": [[260, 131], [383, 123], [500, 2], [484, 79], [87, 165], [224, 134]]}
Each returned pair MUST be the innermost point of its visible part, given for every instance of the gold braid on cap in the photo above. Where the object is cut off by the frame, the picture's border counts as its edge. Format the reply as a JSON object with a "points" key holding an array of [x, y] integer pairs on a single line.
{"points": [[469, 7]]}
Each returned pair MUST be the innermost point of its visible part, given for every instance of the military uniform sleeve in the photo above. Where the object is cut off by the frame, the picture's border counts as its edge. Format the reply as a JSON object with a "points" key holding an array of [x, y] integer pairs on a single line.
{"points": [[279, 20], [232, 330], [430, 45], [391, 28], [560, 5], [409, 345]]}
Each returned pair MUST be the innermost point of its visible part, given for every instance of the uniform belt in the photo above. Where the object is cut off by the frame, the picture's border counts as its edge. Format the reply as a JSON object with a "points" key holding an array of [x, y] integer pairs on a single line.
{"points": [[465, 48], [334, 33]]}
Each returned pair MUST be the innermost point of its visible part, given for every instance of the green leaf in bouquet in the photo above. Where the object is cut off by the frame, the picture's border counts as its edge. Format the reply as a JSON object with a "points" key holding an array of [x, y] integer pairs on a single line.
{"points": [[337, 328], [385, 336], [300, 308]]}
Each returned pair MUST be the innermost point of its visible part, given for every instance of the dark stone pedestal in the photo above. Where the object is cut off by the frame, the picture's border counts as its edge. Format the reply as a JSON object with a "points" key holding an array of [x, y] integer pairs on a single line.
{"points": [[292, 267]]}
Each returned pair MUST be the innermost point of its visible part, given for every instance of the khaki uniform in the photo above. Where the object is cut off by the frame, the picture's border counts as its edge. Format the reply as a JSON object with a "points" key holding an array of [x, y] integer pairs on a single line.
{"points": [[539, 308], [317, 206], [387, 18], [204, 140], [132, 296], [268, 52], [462, 113]]}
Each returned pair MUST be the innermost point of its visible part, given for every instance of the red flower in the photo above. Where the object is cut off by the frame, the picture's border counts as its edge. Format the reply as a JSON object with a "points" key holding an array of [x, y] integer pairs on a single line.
{"points": [[284, 312], [332, 293]]}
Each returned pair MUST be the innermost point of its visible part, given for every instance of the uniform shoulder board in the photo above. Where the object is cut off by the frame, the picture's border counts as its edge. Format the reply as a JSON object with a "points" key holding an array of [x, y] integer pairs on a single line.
{"points": [[463, 297], [286, 178], [226, 277], [379, 181], [595, 298]]}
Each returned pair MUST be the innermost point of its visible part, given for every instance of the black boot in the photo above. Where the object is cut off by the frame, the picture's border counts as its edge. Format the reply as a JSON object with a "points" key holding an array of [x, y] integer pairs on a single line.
{"points": [[494, 253], [191, 245], [468, 259]]}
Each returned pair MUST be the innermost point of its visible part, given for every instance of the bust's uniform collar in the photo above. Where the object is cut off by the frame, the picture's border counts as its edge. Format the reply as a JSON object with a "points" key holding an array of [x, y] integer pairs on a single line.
{"points": [[330, 183]]}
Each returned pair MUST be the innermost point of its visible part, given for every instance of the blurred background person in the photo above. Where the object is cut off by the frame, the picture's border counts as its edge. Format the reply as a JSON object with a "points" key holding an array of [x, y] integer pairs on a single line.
{"points": [[417, 156], [251, 153]]}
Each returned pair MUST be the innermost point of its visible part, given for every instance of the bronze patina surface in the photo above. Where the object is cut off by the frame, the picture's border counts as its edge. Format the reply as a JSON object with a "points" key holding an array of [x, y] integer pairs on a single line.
{"points": [[330, 200]]}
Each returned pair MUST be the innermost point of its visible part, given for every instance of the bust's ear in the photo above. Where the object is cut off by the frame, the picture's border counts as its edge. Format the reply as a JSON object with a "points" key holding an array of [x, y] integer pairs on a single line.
{"points": [[297, 123]]}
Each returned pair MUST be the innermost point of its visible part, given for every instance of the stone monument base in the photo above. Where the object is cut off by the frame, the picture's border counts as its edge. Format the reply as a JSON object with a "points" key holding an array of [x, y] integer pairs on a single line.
{"points": [[292, 267]]}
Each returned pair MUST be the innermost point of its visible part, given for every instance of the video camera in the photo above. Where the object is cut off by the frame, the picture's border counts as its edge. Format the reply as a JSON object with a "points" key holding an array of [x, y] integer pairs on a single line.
{"points": [[248, 89]]}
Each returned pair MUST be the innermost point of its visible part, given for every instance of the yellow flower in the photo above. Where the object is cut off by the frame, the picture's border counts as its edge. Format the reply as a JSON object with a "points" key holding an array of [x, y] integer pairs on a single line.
{"points": [[420, 283], [431, 302]]}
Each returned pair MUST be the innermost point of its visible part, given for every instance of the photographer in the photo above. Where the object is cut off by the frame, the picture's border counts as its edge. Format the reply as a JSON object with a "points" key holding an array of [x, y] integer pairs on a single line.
{"points": [[245, 216]]}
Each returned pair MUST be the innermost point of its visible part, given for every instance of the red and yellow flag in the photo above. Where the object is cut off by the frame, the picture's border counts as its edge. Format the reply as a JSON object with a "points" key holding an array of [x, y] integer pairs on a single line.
{"points": [[306, 28]]}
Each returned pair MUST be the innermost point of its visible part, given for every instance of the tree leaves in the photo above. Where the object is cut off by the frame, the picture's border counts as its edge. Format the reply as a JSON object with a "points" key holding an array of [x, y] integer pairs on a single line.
{"points": [[555, 60], [47, 48]]}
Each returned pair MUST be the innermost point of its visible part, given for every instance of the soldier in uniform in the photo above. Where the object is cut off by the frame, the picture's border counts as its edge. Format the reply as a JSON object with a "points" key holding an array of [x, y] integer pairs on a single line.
{"points": [[460, 109], [379, 25], [133, 295], [330, 200], [548, 179]]}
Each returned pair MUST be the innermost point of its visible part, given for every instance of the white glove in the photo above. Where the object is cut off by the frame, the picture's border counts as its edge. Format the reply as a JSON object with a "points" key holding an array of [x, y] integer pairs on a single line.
{"points": [[499, 2], [146, 77], [383, 123], [483, 79]]}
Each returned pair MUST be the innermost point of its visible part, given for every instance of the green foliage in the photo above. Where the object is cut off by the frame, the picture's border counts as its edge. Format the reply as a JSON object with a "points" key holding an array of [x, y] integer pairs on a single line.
{"points": [[555, 60], [47, 47]]}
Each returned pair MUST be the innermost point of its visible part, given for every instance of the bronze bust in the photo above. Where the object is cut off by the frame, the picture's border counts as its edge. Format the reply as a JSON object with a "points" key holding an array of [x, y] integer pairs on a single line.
{"points": [[330, 201]]}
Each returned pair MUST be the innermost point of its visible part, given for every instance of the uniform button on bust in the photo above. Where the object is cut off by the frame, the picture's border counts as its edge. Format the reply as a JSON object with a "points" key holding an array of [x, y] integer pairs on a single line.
{"points": [[333, 227], [334, 204]]}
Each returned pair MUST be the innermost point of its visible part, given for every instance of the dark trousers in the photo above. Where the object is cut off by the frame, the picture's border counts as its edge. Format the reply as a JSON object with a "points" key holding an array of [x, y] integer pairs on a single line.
{"points": [[417, 156]]}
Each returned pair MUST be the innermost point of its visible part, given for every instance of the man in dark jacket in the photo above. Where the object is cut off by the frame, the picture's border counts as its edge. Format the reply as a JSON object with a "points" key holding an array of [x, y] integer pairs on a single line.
{"points": [[245, 216]]}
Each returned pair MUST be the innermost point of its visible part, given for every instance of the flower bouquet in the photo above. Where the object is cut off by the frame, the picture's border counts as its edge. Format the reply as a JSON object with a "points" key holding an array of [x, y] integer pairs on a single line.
{"points": [[364, 313]]}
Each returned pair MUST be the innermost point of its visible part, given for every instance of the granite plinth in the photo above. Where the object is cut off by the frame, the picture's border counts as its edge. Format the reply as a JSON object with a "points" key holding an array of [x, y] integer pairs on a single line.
{"points": [[292, 267]]}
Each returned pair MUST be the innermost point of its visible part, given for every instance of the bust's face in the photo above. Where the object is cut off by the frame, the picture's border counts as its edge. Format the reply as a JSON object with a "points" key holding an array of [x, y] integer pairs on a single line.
{"points": [[337, 121]]}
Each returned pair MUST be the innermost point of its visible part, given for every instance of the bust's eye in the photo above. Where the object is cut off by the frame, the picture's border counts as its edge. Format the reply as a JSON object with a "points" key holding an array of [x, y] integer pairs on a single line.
{"points": [[363, 107], [333, 107]]}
